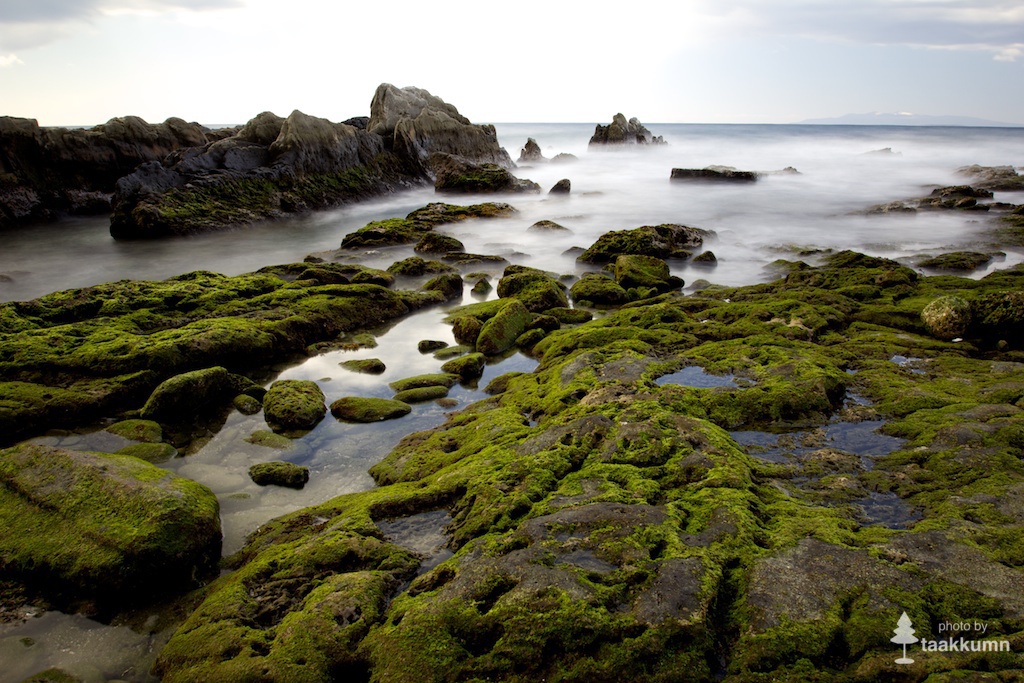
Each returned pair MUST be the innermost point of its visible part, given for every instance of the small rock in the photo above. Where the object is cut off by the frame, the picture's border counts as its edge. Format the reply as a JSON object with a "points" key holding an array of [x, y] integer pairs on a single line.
{"points": [[431, 345], [563, 186], [370, 366], [947, 317], [360, 409], [278, 473], [548, 226], [531, 152]]}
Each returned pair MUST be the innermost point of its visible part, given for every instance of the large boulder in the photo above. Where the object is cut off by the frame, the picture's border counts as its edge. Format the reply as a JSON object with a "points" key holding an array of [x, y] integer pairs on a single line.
{"points": [[101, 526], [499, 334], [420, 124]]}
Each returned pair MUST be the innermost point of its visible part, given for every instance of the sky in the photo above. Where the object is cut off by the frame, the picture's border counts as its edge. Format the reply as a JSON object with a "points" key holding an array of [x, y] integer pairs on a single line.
{"points": [[82, 62]]}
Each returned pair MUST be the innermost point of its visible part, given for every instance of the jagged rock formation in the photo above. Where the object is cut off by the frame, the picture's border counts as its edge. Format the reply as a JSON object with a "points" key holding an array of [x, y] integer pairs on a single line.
{"points": [[48, 171], [179, 178], [623, 132], [531, 152]]}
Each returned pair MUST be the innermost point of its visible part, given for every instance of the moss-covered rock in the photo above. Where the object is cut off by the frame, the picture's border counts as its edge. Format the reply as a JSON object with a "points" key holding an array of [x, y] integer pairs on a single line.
{"points": [[468, 367], [102, 526], [466, 329], [661, 241], [443, 379], [145, 431], [187, 394], [947, 317], [597, 290], [500, 332], [418, 223], [279, 473], [150, 452], [963, 261], [359, 409], [448, 285], [414, 266], [421, 394], [461, 176], [536, 289], [635, 270], [370, 366], [294, 404], [268, 439], [247, 405], [436, 243]]}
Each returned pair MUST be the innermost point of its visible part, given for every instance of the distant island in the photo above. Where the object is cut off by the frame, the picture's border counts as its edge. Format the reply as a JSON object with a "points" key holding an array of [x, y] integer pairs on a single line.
{"points": [[879, 118]]}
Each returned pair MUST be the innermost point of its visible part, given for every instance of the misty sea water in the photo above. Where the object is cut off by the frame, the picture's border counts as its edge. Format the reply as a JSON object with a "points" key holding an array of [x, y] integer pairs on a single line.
{"points": [[842, 171]]}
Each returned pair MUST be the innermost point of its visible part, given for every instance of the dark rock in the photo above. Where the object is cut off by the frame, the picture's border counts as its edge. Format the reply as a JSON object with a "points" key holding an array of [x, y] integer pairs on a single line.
{"points": [[997, 178], [275, 165], [563, 186], [531, 152], [623, 132], [436, 243], [713, 173], [634, 270], [454, 174], [564, 158], [418, 124], [414, 266], [48, 171], [430, 345], [706, 258], [279, 473], [187, 394], [547, 226]]}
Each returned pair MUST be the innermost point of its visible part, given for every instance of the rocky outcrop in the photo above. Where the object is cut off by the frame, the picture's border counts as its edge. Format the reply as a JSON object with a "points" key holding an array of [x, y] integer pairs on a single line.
{"points": [[274, 166], [713, 173], [998, 178], [623, 132], [663, 241], [531, 153], [45, 172], [416, 124]]}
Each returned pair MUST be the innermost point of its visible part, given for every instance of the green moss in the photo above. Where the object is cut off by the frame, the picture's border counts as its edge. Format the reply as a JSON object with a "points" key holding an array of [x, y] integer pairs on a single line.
{"points": [[145, 431], [110, 527], [372, 366], [468, 367], [356, 409], [269, 439], [150, 452], [421, 394], [278, 473], [500, 332], [444, 379], [294, 404]]}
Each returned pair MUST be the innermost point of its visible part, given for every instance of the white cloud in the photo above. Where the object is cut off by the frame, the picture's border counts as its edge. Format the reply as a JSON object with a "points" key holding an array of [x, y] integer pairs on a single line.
{"points": [[9, 60]]}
